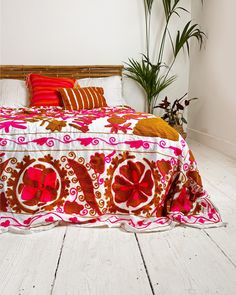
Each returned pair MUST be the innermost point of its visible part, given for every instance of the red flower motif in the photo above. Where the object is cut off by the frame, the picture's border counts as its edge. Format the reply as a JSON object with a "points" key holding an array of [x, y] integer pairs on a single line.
{"points": [[40, 184], [182, 203], [98, 162], [133, 185]]}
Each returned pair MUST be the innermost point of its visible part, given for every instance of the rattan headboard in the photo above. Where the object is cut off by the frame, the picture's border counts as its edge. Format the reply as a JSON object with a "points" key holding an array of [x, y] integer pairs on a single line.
{"points": [[21, 71]]}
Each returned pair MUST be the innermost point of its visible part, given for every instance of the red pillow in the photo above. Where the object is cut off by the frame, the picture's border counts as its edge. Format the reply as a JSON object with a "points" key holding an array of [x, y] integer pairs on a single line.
{"points": [[44, 89]]}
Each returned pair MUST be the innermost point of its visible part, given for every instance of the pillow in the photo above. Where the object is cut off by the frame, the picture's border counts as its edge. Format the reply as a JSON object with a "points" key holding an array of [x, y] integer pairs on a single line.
{"points": [[44, 89], [112, 88], [83, 98], [13, 93]]}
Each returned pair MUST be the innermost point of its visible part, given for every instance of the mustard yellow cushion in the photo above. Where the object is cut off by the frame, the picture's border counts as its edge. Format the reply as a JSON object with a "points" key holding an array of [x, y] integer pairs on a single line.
{"points": [[155, 127]]}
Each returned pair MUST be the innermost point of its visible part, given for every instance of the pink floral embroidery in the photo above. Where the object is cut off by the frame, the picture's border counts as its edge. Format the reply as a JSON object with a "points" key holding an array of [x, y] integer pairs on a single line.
{"points": [[14, 124], [177, 151], [135, 143], [85, 141], [5, 223], [49, 219], [28, 221], [41, 141], [212, 213]]}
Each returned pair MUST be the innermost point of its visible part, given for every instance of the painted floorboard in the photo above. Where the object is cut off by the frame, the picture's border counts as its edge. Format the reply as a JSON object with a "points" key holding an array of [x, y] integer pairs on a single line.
{"points": [[185, 261], [28, 262], [225, 238], [100, 262]]}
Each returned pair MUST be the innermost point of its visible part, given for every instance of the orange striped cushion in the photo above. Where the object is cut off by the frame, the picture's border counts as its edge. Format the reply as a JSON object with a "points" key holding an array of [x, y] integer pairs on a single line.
{"points": [[44, 89], [83, 98]]}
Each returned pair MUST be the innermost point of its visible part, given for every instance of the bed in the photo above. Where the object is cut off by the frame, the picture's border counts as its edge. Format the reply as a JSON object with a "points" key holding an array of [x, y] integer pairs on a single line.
{"points": [[108, 166]]}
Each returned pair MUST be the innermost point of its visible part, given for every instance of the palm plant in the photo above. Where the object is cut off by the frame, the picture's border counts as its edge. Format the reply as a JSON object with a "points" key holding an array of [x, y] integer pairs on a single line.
{"points": [[154, 76]]}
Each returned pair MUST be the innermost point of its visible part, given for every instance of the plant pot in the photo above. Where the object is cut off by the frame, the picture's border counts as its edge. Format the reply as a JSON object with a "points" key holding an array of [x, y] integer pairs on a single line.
{"points": [[180, 130]]}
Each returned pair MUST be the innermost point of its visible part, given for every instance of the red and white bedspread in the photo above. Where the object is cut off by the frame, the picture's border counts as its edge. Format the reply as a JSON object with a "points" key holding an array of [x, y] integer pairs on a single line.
{"points": [[110, 166]]}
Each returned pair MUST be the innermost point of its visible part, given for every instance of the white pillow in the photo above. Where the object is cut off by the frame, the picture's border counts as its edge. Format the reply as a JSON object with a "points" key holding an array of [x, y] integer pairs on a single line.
{"points": [[112, 88], [13, 93]]}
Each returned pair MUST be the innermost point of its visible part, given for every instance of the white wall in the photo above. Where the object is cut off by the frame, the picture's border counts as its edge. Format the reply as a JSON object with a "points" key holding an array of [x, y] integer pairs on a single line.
{"points": [[70, 32], [212, 120], [78, 32]]}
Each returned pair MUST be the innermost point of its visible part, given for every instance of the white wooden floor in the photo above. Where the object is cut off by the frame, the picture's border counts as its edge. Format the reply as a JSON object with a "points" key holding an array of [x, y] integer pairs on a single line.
{"points": [[111, 262]]}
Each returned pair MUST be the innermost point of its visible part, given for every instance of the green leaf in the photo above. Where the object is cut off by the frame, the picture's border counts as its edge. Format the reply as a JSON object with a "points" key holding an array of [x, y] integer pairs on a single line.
{"points": [[183, 38], [171, 7], [148, 4], [153, 76], [148, 77]]}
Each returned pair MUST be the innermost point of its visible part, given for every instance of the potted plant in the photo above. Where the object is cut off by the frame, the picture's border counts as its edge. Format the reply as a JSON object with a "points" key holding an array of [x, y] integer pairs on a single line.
{"points": [[155, 75], [174, 112]]}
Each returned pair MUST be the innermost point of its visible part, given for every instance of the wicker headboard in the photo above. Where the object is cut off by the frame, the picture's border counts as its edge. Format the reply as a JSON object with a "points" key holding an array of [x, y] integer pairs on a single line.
{"points": [[21, 71]]}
